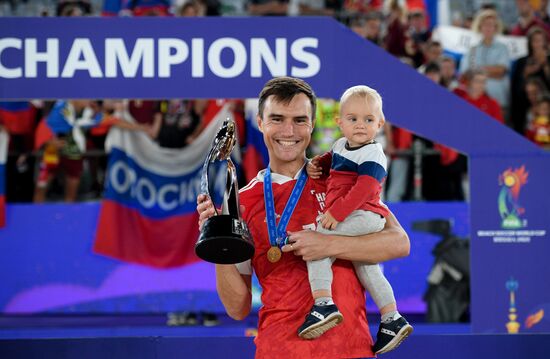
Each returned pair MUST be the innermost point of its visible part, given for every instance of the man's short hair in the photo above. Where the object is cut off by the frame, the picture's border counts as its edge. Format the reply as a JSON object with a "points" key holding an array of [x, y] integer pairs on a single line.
{"points": [[284, 89]]}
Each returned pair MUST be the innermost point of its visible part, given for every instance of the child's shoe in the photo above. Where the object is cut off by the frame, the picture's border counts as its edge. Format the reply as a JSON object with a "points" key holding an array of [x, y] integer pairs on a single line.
{"points": [[320, 319], [391, 334]]}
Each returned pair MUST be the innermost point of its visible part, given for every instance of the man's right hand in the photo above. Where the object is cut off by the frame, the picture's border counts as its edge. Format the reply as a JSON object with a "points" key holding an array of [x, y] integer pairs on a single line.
{"points": [[205, 208]]}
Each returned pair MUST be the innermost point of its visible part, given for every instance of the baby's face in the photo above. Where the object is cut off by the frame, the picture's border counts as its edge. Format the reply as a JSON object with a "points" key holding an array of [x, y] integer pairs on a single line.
{"points": [[360, 120]]}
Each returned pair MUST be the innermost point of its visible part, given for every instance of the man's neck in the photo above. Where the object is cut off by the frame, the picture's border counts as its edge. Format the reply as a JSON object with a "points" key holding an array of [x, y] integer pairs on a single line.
{"points": [[289, 169]]}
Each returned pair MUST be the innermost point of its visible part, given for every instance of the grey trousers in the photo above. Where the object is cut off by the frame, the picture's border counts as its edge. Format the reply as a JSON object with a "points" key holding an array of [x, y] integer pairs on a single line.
{"points": [[370, 275]]}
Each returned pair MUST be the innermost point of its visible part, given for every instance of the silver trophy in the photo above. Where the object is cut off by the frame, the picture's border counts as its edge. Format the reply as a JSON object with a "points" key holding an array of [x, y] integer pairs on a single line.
{"points": [[224, 238]]}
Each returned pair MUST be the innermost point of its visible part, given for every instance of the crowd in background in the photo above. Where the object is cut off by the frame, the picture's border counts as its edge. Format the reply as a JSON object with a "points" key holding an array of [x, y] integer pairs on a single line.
{"points": [[515, 94]]}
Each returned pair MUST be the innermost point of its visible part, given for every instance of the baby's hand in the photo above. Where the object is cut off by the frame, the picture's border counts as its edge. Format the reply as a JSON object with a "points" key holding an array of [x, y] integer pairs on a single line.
{"points": [[328, 221], [313, 169]]}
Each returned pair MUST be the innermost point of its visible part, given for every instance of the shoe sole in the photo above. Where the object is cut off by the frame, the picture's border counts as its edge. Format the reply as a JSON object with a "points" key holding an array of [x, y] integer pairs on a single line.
{"points": [[398, 339], [315, 331]]}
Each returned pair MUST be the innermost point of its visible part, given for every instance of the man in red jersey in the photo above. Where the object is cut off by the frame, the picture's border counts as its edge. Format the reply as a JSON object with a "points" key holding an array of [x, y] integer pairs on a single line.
{"points": [[286, 119]]}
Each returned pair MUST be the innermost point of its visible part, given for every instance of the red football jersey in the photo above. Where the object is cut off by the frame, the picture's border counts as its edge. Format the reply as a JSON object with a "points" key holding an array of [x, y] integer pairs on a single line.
{"points": [[286, 295]]}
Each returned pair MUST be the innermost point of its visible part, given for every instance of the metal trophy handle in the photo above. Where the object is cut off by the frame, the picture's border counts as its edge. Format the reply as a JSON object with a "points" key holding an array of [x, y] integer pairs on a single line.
{"points": [[224, 238]]}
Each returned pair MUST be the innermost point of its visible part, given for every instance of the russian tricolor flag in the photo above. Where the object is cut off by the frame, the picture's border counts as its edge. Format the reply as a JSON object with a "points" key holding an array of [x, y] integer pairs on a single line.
{"points": [[4, 138], [148, 215]]}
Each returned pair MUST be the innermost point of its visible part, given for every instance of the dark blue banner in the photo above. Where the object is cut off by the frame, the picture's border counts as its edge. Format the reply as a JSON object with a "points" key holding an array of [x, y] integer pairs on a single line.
{"points": [[155, 58], [510, 220]]}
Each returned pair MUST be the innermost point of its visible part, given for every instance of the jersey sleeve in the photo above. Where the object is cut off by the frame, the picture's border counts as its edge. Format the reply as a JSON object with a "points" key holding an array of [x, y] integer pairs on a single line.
{"points": [[366, 189], [245, 267]]}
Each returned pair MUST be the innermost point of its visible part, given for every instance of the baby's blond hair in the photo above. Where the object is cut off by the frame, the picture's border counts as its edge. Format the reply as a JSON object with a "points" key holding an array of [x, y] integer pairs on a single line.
{"points": [[364, 92]]}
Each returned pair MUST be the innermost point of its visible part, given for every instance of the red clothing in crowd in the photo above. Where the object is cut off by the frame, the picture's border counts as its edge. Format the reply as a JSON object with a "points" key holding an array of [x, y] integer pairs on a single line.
{"points": [[402, 139], [485, 103], [519, 30]]}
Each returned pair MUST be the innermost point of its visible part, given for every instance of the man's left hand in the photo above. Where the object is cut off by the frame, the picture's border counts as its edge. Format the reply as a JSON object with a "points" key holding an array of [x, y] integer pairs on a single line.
{"points": [[310, 245]]}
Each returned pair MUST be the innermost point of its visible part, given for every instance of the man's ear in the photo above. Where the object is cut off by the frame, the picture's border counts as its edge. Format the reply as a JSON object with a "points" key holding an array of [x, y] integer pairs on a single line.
{"points": [[381, 123], [259, 122]]}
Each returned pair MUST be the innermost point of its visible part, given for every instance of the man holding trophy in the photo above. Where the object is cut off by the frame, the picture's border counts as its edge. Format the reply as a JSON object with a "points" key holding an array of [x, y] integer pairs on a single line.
{"points": [[279, 208]]}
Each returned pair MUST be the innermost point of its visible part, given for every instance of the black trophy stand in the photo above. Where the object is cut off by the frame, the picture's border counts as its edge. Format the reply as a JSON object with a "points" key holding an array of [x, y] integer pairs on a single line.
{"points": [[224, 238]]}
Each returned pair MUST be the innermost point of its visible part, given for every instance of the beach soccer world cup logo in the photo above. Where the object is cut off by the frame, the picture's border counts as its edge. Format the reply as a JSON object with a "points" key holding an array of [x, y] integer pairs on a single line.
{"points": [[510, 182]]}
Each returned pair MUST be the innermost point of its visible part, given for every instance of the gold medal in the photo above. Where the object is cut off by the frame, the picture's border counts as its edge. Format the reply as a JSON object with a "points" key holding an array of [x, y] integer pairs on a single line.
{"points": [[274, 254]]}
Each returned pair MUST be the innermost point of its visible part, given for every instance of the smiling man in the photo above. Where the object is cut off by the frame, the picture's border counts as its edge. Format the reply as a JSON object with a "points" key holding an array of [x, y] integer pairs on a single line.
{"points": [[280, 207]]}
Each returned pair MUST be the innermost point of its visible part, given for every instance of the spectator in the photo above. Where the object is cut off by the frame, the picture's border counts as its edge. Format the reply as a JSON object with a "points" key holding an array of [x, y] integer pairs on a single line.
{"points": [[491, 56], [72, 8], [535, 64], [147, 8], [358, 24], [267, 7], [527, 19], [374, 27], [534, 88], [418, 36], [433, 51], [448, 72], [395, 39], [65, 145], [538, 129], [233, 8], [432, 54], [433, 72], [398, 174], [145, 112], [191, 9], [407, 38], [352, 7], [475, 81], [114, 113], [457, 19], [317, 7], [542, 12], [181, 123]]}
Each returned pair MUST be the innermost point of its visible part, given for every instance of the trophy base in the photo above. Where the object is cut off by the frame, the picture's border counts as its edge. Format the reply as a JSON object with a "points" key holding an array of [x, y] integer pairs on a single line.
{"points": [[222, 241]]}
